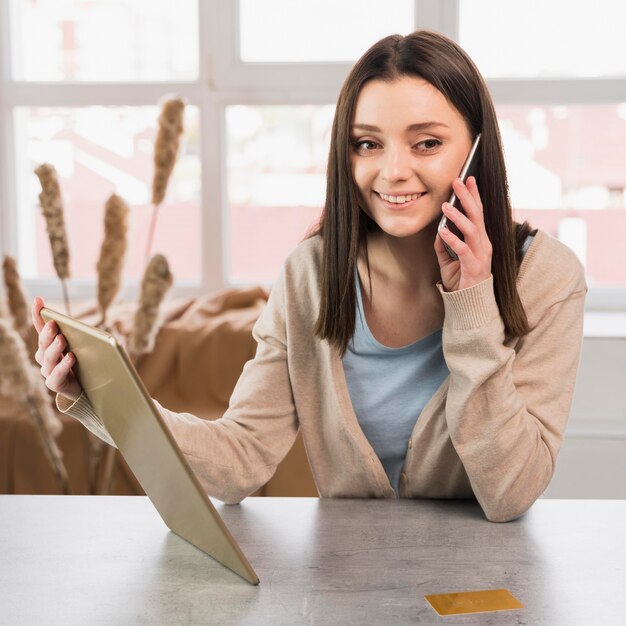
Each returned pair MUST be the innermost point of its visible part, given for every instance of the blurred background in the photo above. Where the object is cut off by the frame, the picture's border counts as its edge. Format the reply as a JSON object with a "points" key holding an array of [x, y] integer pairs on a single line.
{"points": [[81, 82]]}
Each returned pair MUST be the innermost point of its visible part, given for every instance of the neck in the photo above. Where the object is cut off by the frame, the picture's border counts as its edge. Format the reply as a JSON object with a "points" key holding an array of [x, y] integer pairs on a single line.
{"points": [[407, 262]]}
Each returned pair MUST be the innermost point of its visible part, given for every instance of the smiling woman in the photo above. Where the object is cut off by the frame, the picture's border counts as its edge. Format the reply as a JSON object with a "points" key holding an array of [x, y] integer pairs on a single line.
{"points": [[397, 162], [406, 119], [409, 373]]}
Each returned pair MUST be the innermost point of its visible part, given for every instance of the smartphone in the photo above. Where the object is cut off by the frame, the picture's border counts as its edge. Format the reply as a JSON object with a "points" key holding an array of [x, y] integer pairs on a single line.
{"points": [[469, 169]]}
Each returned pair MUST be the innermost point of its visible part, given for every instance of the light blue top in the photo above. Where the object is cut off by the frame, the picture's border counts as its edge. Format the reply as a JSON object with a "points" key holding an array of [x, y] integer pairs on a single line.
{"points": [[389, 387]]}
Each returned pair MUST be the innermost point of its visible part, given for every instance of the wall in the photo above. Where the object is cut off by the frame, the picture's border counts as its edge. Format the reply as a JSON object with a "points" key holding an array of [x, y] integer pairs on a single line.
{"points": [[592, 461]]}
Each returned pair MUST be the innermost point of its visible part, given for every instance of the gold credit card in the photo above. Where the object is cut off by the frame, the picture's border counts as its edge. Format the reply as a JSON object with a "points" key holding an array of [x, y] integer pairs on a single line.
{"points": [[474, 602]]}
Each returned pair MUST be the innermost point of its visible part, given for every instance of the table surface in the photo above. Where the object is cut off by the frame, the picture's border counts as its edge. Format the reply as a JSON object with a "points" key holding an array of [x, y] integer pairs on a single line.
{"points": [[111, 560]]}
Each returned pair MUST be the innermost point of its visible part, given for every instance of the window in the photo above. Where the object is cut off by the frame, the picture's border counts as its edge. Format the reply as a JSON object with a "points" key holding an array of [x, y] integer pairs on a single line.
{"points": [[98, 151], [261, 79], [317, 30], [276, 165], [104, 40], [564, 178], [539, 39], [559, 83], [81, 85]]}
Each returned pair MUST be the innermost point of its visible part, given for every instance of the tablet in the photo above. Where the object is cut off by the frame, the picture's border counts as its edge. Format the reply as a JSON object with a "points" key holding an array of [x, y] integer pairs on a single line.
{"points": [[120, 399]]}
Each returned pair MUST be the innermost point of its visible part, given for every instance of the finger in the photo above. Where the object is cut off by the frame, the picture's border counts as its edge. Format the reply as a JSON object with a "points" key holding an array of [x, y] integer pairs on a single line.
{"points": [[464, 224], [443, 257], [57, 379], [472, 187], [467, 200], [52, 355], [459, 247], [38, 321], [46, 336], [471, 206]]}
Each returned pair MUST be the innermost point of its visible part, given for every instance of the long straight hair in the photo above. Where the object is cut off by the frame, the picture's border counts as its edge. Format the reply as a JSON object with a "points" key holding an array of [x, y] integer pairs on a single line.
{"points": [[344, 224]]}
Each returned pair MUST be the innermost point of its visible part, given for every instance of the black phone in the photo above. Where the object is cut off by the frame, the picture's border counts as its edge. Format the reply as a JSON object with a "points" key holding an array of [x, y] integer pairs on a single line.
{"points": [[469, 168]]}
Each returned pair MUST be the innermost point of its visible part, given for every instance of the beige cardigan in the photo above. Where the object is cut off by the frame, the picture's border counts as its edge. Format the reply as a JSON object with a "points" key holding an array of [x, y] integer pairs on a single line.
{"points": [[491, 431]]}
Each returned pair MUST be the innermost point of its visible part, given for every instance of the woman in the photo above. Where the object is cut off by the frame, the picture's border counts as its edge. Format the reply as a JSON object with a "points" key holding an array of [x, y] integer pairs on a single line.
{"points": [[409, 373]]}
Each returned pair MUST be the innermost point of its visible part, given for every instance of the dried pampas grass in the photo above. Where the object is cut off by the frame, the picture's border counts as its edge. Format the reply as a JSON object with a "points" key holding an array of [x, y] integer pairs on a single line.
{"points": [[165, 152], [18, 380], [52, 207], [39, 409], [15, 379], [156, 281], [42, 399], [166, 146], [112, 253], [4, 304], [16, 296]]}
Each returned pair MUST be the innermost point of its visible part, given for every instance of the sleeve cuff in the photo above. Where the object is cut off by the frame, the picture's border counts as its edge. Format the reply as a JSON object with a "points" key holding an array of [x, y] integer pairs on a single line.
{"points": [[472, 307], [82, 410]]}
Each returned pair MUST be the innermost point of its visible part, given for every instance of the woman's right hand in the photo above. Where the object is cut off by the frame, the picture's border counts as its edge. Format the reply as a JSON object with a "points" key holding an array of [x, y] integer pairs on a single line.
{"points": [[55, 368]]}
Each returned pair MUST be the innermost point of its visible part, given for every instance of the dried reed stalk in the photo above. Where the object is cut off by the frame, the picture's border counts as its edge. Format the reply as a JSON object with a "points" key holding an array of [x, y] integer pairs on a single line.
{"points": [[4, 304], [18, 380], [157, 280], [112, 252], [43, 402], [15, 381], [51, 450], [16, 296], [166, 148], [52, 207]]}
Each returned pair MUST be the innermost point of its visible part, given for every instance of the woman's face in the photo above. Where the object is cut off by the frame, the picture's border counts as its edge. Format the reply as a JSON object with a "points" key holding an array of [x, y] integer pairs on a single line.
{"points": [[408, 145]]}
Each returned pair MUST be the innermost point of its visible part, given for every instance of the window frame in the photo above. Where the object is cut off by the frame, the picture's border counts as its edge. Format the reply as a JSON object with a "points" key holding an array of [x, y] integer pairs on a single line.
{"points": [[224, 80]]}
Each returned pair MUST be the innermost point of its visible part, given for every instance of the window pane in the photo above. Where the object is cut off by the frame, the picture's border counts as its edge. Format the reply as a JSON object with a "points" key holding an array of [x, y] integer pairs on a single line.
{"points": [[104, 40], [567, 176], [98, 151], [276, 184], [285, 31], [539, 38]]}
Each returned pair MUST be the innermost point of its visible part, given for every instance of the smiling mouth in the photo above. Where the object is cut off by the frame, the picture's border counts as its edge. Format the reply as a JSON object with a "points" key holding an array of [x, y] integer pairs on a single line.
{"points": [[399, 201]]}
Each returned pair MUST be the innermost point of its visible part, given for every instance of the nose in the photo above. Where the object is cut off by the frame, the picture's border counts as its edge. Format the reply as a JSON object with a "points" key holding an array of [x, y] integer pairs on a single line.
{"points": [[396, 164]]}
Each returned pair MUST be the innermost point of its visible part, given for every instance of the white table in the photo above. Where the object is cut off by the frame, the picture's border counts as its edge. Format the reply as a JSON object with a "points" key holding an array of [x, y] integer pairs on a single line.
{"points": [[111, 560]]}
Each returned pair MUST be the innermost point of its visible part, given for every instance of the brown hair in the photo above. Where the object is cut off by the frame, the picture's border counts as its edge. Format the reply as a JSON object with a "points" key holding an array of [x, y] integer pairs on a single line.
{"points": [[344, 225]]}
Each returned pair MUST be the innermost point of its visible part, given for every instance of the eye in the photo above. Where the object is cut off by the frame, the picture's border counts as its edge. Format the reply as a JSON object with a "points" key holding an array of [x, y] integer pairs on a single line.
{"points": [[364, 145], [429, 145]]}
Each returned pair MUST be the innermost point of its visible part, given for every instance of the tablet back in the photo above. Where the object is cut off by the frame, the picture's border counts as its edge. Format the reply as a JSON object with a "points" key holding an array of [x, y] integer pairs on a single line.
{"points": [[120, 399]]}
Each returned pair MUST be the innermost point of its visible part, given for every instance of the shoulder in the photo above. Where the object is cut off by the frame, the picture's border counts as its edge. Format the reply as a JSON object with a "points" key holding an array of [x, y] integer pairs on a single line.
{"points": [[306, 256], [301, 271], [550, 263], [550, 273], [298, 285]]}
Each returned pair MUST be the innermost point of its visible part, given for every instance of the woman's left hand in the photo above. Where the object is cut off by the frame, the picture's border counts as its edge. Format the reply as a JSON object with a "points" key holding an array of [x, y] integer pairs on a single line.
{"points": [[474, 262]]}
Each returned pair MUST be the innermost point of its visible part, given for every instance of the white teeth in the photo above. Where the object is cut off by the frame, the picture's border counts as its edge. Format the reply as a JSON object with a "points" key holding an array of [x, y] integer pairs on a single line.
{"points": [[400, 199]]}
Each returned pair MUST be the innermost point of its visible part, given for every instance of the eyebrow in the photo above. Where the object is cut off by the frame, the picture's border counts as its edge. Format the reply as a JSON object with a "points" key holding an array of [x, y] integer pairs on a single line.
{"points": [[413, 127]]}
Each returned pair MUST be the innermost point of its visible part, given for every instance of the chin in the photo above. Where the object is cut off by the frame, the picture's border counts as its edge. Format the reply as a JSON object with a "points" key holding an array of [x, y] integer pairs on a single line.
{"points": [[402, 230]]}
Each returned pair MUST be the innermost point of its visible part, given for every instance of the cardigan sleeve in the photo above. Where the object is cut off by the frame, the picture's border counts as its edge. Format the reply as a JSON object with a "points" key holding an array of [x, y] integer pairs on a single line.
{"points": [[238, 453], [508, 402]]}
